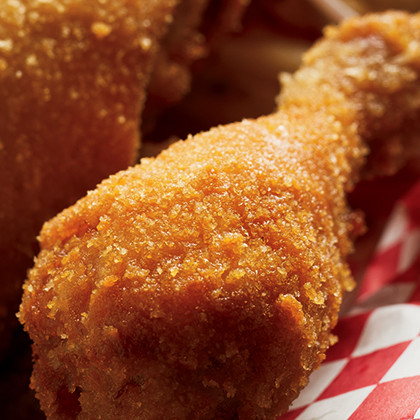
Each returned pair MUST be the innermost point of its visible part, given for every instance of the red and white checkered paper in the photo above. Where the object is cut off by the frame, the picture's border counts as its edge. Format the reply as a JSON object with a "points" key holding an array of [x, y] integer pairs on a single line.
{"points": [[373, 372]]}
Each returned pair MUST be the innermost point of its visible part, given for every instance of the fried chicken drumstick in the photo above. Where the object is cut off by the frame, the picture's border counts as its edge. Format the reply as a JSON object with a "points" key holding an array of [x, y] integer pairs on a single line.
{"points": [[205, 283]]}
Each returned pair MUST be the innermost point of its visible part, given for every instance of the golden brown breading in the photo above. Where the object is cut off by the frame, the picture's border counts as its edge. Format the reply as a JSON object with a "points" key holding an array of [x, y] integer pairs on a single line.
{"points": [[205, 283]]}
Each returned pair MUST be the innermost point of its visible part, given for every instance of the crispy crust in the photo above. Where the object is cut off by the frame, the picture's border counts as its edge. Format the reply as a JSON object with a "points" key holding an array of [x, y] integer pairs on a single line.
{"points": [[205, 283]]}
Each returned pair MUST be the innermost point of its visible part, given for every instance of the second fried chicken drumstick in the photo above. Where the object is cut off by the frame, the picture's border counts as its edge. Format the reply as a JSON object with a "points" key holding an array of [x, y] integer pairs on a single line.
{"points": [[205, 283]]}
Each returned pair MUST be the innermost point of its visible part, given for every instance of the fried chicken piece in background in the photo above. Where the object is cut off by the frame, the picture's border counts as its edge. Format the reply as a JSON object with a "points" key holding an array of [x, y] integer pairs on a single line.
{"points": [[181, 48], [205, 283], [239, 77]]}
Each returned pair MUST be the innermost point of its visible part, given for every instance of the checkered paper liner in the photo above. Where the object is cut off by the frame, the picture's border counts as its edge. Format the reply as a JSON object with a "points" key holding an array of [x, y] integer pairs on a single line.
{"points": [[373, 372]]}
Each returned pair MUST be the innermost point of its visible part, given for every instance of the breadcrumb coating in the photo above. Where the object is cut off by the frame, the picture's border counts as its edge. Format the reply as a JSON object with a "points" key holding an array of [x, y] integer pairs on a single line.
{"points": [[205, 283]]}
